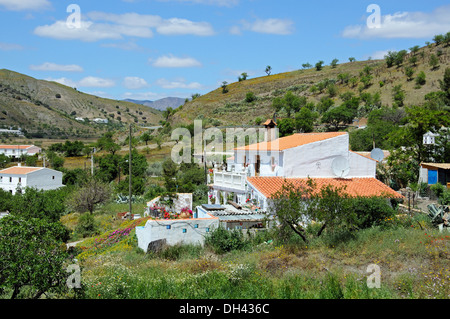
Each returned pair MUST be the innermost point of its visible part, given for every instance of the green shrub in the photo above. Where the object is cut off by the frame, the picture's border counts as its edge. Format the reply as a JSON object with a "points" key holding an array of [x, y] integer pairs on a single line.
{"points": [[444, 199], [437, 189], [371, 211], [250, 97], [86, 226], [222, 240]]}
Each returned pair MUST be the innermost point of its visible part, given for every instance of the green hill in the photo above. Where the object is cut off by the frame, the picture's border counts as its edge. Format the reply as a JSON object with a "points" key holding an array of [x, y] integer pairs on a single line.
{"points": [[50, 109], [231, 108]]}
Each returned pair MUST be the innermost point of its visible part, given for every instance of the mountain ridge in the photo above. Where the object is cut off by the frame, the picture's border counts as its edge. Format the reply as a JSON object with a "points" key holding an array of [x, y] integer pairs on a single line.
{"points": [[161, 104]]}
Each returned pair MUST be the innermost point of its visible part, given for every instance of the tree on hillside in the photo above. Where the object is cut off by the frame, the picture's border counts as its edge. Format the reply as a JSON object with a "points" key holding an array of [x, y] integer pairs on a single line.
{"points": [[92, 193], [146, 137], [224, 87], [319, 65], [243, 77], [304, 120], [445, 85], [409, 72], [414, 49], [268, 70], [398, 96], [106, 143], [338, 116], [334, 63], [434, 62], [306, 65], [290, 103]]}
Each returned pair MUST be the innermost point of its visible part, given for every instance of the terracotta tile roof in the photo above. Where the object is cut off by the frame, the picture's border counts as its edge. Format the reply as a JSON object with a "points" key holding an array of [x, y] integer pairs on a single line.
{"points": [[20, 170], [15, 147], [290, 141], [365, 187]]}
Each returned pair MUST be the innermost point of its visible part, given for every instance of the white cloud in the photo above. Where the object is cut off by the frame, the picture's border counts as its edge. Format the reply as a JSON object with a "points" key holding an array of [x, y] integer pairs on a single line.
{"points": [[414, 25], [176, 26], [178, 84], [89, 81], [379, 55], [100, 26], [47, 66], [91, 32], [170, 61], [267, 26], [130, 19], [92, 81], [134, 83], [21, 5], [64, 81]]}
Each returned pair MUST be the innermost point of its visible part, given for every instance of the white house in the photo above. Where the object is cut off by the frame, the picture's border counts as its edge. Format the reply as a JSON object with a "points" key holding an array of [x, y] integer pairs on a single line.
{"points": [[19, 150], [20, 177], [319, 156]]}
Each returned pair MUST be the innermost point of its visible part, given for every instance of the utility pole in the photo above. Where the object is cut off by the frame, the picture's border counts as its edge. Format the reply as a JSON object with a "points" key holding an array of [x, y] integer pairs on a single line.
{"points": [[129, 176]]}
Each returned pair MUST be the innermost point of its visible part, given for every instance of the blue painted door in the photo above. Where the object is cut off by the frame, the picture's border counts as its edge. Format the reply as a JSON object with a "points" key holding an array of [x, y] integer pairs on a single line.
{"points": [[432, 177]]}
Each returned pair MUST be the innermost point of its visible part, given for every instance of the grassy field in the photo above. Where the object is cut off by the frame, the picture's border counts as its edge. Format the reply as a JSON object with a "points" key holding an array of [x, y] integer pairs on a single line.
{"points": [[413, 259]]}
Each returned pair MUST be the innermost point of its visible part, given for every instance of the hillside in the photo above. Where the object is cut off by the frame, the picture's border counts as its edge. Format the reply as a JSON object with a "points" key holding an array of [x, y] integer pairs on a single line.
{"points": [[232, 109], [44, 108], [161, 104]]}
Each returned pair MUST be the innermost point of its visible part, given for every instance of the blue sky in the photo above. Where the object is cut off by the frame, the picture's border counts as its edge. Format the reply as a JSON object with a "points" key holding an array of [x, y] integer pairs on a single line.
{"points": [[150, 49]]}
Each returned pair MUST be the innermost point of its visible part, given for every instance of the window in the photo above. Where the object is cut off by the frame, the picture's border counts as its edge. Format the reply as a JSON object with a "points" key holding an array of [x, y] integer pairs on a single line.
{"points": [[196, 226], [53, 177], [20, 179], [184, 230], [168, 227], [10, 179], [207, 229]]}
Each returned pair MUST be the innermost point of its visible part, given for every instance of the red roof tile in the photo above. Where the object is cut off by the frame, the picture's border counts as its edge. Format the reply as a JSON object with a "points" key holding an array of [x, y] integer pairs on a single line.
{"points": [[364, 187], [290, 141], [20, 170]]}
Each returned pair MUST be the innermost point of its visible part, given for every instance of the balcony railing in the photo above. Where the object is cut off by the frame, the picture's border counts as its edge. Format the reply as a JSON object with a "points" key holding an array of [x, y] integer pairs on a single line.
{"points": [[232, 180]]}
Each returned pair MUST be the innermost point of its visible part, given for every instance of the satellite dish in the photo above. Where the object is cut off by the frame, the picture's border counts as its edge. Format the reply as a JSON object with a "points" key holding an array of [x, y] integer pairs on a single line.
{"points": [[340, 166], [377, 154]]}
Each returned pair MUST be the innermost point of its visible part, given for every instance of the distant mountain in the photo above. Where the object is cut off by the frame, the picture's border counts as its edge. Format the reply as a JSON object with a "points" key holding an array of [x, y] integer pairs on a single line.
{"points": [[161, 104], [50, 109]]}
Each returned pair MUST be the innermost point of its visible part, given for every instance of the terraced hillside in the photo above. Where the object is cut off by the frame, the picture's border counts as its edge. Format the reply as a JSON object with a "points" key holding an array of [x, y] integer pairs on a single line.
{"points": [[50, 109]]}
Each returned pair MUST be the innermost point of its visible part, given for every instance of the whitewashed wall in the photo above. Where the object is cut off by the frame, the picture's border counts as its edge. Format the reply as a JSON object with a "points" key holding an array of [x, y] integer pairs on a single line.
{"points": [[182, 231], [361, 166], [314, 159], [44, 179]]}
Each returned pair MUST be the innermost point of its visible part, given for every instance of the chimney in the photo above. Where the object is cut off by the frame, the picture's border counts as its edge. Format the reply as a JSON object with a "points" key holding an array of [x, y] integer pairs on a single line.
{"points": [[271, 131]]}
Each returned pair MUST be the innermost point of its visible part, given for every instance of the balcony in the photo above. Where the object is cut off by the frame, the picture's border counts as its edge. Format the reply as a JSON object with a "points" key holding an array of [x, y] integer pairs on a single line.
{"points": [[235, 181]]}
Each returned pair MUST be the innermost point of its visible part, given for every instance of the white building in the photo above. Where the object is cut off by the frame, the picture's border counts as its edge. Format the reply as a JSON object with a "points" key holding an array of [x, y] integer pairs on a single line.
{"points": [[19, 150], [20, 177], [299, 156], [177, 231]]}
